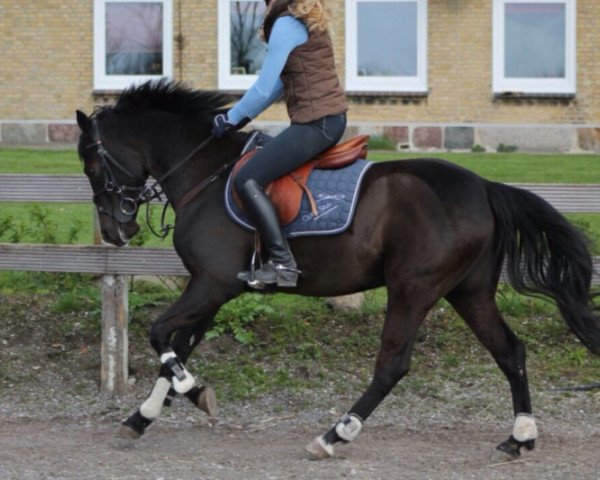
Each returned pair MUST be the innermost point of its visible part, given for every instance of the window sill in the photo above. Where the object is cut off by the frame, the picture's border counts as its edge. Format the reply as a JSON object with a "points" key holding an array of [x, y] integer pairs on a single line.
{"points": [[529, 95], [386, 94]]}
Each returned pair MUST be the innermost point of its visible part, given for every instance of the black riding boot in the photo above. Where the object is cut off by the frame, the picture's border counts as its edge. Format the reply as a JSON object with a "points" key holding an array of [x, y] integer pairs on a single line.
{"points": [[281, 268]]}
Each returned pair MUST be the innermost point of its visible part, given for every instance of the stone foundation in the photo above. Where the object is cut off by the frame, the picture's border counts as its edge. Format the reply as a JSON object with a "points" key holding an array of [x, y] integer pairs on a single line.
{"points": [[409, 137]]}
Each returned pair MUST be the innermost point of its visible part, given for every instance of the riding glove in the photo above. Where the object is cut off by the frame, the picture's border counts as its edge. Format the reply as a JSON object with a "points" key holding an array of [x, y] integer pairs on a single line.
{"points": [[221, 125]]}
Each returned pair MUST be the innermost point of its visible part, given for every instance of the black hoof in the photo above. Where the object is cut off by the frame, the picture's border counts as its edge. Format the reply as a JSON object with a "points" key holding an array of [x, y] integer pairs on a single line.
{"points": [[136, 424], [529, 445], [511, 448]]}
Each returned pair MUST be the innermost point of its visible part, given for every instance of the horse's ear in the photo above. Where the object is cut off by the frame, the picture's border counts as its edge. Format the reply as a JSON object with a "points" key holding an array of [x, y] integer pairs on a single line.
{"points": [[84, 122]]}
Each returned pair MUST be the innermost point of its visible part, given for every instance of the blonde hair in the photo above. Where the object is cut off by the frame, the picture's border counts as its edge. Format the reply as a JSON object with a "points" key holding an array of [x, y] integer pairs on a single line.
{"points": [[312, 12]]}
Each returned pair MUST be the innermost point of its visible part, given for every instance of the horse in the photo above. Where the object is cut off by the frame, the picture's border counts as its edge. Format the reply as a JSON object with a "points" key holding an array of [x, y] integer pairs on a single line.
{"points": [[425, 229]]}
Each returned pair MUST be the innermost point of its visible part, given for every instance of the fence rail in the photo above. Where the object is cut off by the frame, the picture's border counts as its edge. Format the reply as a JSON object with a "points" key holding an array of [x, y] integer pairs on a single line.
{"points": [[115, 263]]}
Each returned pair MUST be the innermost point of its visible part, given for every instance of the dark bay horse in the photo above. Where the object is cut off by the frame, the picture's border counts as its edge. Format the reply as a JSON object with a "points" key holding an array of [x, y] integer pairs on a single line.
{"points": [[425, 229]]}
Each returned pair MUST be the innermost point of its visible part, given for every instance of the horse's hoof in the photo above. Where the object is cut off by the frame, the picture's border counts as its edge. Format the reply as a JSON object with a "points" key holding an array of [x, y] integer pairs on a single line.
{"points": [[127, 433], [318, 450], [207, 401], [506, 452]]}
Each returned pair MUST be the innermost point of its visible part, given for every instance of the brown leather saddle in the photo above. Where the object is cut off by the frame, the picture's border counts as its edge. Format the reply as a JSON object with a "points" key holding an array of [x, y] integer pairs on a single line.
{"points": [[286, 192]]}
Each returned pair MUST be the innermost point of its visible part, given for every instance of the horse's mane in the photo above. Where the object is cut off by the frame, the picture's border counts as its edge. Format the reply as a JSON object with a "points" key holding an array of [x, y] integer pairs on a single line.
{"points": [[170, 96]]}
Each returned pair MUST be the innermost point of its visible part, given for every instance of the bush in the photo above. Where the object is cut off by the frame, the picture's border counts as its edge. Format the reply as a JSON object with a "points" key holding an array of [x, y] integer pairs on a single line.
{"points": [[502, 148], [381, 142]]}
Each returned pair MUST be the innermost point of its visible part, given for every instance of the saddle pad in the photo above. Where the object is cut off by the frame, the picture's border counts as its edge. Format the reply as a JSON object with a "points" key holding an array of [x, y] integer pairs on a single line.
{"points": [[335, 193]]}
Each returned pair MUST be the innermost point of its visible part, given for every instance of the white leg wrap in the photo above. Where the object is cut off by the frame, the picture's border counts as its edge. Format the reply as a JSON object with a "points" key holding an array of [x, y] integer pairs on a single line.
{"points": [[348, 427], [152, 406], [167, 355], [524, 428], [187, 381]]}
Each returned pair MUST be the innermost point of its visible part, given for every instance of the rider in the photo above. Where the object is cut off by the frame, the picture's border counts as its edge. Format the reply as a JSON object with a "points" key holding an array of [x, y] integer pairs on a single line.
{"points": [[299, 64]]}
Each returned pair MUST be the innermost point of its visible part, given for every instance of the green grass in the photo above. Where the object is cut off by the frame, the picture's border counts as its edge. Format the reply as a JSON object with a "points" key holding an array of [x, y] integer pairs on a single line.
{"points": [[24, 160], [504, 167], [513, 167], [517, 167]]}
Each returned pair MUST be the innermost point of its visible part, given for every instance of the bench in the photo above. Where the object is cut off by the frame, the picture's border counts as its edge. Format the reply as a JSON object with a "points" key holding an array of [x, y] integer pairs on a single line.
{"points": [[114, 264]]}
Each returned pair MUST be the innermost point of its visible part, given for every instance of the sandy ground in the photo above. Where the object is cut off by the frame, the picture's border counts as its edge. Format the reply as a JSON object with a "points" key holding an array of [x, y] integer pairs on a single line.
{"points": [[186, 445], [55, 425]]}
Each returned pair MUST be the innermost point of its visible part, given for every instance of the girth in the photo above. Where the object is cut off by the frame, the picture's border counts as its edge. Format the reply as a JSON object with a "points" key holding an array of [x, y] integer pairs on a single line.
{"points": [[286, 192]]}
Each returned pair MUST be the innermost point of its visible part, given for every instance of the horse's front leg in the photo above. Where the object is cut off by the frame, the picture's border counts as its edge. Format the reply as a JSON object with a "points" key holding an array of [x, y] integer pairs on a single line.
{"points": [[163, 393], [188, 318]]}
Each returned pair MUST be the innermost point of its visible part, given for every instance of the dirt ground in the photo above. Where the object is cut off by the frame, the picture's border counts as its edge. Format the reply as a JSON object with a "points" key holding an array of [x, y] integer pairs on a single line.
{"points": [[251, 442], [55, 425]]}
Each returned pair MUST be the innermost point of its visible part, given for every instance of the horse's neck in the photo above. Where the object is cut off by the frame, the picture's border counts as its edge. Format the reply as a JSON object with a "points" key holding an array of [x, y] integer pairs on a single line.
{"points": [[193, 171]]}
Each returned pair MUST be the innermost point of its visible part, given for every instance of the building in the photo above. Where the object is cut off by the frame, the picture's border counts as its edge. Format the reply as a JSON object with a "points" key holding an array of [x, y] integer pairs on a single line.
{"points": [[437, 74]]}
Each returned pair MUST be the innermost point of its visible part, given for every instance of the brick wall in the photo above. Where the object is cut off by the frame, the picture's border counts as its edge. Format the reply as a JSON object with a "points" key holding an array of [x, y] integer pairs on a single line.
{"points": [[47, 70]]}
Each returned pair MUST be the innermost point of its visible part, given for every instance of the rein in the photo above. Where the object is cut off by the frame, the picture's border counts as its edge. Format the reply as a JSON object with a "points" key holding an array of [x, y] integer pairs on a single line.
{"points": [[129, 204]]}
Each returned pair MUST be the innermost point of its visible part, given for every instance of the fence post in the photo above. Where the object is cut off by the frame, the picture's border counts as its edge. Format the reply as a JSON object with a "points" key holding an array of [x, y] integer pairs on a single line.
{"points": [[114, 350]]}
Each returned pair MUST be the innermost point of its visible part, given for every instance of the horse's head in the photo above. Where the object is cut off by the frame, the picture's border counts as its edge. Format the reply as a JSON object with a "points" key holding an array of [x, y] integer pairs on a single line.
{"points": [[117, 179]]}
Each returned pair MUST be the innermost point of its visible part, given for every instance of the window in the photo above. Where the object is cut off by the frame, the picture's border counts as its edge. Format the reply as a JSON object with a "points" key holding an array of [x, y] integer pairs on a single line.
{"points": [[534, 46], [386, 45], [241, 52], [133, 42]]}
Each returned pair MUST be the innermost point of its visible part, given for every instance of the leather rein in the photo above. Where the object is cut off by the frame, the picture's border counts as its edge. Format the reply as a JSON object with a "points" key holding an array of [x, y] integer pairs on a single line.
{"points": [[130, 198]]}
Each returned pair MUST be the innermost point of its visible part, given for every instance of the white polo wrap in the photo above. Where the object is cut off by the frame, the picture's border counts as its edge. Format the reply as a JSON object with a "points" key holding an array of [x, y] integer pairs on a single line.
{"points": [[152, 406], [524, 428], [348, 427], [187, 381]]}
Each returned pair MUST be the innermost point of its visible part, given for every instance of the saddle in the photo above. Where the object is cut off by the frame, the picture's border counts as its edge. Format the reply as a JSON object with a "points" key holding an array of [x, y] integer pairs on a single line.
{"points": [[286, 192]]}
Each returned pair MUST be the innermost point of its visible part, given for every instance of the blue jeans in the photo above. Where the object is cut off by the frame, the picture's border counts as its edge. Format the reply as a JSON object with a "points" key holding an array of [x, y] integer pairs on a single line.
{"points": [[294, 146]]}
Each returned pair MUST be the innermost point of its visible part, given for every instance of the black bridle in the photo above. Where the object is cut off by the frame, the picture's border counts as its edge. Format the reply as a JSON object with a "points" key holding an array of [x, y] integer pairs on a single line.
{"points": [[130, 198]]}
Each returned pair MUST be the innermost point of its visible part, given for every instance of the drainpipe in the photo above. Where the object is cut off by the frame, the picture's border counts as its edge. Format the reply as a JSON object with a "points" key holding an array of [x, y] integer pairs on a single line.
{"points": [[179, 40]]}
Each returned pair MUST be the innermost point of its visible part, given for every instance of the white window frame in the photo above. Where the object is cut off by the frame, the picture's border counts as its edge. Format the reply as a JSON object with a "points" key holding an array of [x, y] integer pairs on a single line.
{"points": [[542, 86], [409, 84], [226, 80], [102, 81]]}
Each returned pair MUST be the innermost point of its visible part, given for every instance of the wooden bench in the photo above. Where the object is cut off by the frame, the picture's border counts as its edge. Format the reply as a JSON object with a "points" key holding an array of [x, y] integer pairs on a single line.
{"points": [[114, 264]]}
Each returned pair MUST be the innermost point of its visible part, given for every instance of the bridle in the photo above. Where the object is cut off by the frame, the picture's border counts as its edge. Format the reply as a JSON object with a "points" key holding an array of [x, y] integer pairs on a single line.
{"points": [[130, 198]]}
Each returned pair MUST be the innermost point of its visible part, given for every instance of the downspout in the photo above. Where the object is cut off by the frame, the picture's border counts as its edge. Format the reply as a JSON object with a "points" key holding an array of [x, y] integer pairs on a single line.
{"points": [[179, 40]]}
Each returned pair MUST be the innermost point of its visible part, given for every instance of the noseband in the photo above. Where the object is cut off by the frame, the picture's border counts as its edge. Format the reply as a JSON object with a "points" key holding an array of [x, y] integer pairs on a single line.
{"points": [[130, 198]]}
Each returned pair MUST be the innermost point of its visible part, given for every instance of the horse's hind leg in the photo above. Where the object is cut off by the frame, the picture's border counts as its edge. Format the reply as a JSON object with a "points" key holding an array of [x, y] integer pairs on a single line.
{"points": [[393, 362], [478, 307]]}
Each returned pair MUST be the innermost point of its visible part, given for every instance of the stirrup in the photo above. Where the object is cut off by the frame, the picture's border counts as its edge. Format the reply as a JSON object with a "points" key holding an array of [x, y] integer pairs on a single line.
{"points": [[248, 275], [271, 274]]}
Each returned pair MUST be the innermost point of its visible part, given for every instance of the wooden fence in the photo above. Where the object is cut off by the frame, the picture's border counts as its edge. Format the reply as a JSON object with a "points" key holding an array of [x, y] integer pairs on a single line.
{"points": [[114, 264]]}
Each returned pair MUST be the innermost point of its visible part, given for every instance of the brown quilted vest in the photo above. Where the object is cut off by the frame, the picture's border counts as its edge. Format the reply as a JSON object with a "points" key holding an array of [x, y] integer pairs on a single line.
{"points": [[311, 85]]}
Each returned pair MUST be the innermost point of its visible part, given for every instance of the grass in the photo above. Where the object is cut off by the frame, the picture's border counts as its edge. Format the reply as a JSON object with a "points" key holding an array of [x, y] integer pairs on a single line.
{"points": [[504, 167], [513, 167], [303, 344], [24, 160], [517, 167]]}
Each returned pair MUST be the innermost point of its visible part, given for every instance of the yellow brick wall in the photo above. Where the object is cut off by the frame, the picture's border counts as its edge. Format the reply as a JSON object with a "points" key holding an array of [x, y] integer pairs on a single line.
{"points": [[46, 68], [47, 71]]}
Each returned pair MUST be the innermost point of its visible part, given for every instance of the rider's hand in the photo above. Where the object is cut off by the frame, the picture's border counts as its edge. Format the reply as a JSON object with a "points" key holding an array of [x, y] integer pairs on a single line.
{"points": [[221, 125]]}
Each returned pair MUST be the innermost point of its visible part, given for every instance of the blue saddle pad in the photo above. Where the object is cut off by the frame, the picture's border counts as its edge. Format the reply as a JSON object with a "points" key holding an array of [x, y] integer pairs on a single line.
{"points": [[335, 193]]}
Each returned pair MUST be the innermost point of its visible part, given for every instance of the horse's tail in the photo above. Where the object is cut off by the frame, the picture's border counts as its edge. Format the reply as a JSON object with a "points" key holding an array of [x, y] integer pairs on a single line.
{"points": [[545, 254]]}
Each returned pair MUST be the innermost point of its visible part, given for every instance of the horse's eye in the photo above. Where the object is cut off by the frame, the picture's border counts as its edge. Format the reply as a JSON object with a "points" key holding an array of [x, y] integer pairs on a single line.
{"points": [[92, 170]]}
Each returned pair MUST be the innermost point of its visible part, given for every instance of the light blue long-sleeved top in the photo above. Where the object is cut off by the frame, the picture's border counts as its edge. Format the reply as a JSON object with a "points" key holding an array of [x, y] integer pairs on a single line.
{"points": [[288, 32]]}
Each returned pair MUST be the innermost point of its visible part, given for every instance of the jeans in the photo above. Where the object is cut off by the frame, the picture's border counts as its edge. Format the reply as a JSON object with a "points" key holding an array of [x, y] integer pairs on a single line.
{"points": [[294, 146]]}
